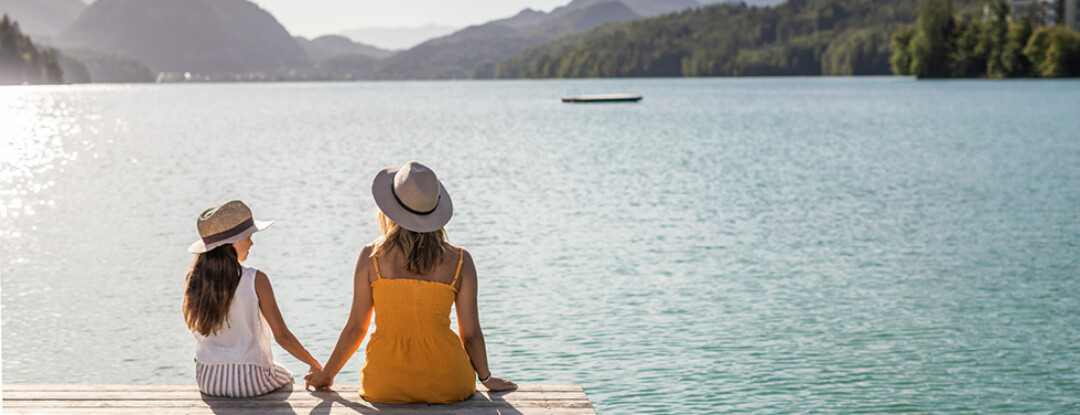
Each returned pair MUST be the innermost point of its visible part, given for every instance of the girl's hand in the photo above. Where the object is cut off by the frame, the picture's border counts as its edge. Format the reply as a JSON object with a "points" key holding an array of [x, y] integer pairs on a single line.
{"points": [[319, 380], [497, 384]]}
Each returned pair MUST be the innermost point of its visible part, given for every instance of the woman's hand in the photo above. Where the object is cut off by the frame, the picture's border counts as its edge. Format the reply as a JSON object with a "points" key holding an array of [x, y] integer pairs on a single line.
{"points": [[318, 379], [497, 384]]}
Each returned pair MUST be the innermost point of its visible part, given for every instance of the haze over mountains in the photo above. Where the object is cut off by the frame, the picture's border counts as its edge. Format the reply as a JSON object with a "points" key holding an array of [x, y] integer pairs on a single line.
{"points": [[42, 19], [233, 39], [475, 48], [395, 38], [186, 35]]}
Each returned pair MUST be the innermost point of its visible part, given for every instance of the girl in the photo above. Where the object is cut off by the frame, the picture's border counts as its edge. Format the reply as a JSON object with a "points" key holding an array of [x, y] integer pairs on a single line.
{"points": [[231, 310], [410, 277]]}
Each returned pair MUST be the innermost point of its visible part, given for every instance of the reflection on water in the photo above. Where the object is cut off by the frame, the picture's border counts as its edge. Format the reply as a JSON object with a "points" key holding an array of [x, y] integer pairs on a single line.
{"points": [[44, 129]]}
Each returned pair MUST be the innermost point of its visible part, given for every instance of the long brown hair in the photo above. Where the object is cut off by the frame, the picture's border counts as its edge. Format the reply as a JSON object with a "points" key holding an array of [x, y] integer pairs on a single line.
{"points": [[211, 283], [423, 250]]}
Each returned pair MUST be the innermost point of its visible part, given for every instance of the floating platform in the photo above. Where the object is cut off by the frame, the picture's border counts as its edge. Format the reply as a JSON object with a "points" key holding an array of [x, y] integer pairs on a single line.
{"points": [[77, 399], [590, 99]]}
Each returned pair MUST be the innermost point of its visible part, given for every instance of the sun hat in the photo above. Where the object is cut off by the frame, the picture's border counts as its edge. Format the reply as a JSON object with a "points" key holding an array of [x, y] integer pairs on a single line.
{"points": [[412, 197], [225, 224]]}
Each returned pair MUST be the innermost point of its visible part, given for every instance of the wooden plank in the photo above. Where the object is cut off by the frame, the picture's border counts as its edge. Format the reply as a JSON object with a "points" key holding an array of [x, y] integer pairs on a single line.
{"points": [[78, 399]]}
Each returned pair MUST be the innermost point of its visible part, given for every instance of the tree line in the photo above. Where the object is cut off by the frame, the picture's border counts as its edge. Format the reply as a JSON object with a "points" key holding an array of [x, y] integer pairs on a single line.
{"points": [[22, 62], [943, 44], [798, 37]]}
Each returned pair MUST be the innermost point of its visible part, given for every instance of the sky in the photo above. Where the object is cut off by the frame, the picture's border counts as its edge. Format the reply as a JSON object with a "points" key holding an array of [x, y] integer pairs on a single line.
{"points": [[312, 18]]}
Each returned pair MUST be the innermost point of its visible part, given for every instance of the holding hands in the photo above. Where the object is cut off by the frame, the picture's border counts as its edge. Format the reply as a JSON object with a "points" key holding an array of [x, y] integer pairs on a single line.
{"points": [[318, 379]]}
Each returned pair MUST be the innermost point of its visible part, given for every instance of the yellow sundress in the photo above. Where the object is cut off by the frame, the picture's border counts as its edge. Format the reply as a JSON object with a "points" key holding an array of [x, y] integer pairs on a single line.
{"points": [[414, 356]]}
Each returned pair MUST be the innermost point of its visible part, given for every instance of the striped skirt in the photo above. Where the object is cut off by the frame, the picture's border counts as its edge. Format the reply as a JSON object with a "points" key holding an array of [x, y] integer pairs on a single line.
{"points": [[236, 380]]}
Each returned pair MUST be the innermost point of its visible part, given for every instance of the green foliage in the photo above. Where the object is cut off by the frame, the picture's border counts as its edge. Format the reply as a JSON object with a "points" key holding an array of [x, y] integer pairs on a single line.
{"points": [[798, 37], [929, 48], [22, 62], [943, 45], [1013, 61], [967, 56], [900, 61], [994, 37], [483, 70], [858, 52], [1054, 52]]}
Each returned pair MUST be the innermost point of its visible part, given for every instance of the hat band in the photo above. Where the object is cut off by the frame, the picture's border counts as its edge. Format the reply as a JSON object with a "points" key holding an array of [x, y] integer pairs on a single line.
{"points": [[229, 233], [410, 210]]}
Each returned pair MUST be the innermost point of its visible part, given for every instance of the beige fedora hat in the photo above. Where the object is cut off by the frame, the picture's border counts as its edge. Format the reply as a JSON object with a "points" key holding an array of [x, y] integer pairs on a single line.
{"points": [[225, 224], [413, 197]]}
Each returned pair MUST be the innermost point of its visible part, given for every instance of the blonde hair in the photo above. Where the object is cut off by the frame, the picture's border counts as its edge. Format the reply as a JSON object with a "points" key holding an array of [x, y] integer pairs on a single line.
{"points": [[209, 289], [423, 250]]}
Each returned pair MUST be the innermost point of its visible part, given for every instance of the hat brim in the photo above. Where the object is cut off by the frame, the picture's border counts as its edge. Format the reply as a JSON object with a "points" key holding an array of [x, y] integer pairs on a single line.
{"points": [[382, 188], [199, 247]]}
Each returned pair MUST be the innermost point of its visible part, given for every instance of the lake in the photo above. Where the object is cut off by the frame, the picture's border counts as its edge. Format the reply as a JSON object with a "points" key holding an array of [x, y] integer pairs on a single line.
{"points": [[750, 245]]}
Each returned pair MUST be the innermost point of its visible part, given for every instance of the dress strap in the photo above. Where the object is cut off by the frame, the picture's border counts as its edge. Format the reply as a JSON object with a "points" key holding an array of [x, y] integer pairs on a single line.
{"points": [[461, 256], [375, 259]]}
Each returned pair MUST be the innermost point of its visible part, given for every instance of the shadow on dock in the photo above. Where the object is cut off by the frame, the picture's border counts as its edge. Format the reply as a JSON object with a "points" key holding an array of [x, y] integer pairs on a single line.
{"points": [[329, 398], [492, 403], [276, 403]]}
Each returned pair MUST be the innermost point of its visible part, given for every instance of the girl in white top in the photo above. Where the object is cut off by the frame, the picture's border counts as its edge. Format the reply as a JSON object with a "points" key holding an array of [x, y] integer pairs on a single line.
{"points": [[232, 312]]}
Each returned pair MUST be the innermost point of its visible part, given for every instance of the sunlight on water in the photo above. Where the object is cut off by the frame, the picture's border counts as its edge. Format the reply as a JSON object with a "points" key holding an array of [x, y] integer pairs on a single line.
{"points": [[35, 128]]}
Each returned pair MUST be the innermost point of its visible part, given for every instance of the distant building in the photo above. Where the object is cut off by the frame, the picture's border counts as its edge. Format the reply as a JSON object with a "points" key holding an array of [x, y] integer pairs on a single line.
{"points": [[1050, 12]]}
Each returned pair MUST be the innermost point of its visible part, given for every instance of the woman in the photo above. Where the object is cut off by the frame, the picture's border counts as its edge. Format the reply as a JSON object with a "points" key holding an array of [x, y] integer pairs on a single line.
{"points": [[410, 277], [231, 310]]}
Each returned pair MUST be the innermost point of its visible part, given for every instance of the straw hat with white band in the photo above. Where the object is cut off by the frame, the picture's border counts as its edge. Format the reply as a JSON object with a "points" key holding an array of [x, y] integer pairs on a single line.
{"points": [[225, 224], [413, 197]]}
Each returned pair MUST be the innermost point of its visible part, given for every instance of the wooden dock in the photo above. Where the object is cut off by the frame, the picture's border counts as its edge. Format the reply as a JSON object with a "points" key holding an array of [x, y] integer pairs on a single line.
{"points": [[77, 399]]}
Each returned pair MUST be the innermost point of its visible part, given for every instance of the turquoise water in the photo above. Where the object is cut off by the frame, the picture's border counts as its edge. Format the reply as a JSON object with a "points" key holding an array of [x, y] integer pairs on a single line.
{"points": [[814, 245]]}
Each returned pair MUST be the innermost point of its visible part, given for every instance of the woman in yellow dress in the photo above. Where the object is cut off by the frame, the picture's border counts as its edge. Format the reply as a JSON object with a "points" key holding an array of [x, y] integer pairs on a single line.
{"points": [[410, 277]]}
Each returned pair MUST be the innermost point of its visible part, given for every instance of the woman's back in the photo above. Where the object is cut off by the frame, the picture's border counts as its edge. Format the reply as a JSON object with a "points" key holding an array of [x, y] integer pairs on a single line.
{"points": [[414, 356]]}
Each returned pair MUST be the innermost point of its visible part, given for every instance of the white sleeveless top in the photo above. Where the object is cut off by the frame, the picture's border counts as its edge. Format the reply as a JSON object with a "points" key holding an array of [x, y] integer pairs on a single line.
{"points": [[244, 337]]}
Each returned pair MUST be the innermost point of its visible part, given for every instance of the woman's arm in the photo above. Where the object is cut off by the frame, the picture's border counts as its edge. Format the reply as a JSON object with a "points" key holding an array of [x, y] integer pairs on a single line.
{"points": [[355, 329], [468, 317], [269, 308]]}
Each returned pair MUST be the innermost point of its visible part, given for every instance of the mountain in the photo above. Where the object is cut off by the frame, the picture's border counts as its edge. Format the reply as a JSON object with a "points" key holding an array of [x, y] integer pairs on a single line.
{"points": [[42, 19], [643, 8], [457, 56], [323, 47], [751, 3], [523, 19], [798, 37], [395, 38], [201, 36], [653, 8]]}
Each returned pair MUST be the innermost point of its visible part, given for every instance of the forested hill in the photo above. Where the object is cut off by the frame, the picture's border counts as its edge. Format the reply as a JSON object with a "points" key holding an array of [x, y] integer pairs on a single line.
{"points": [[473, 51], [459, 54], [22, 62], [799, 37]]}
